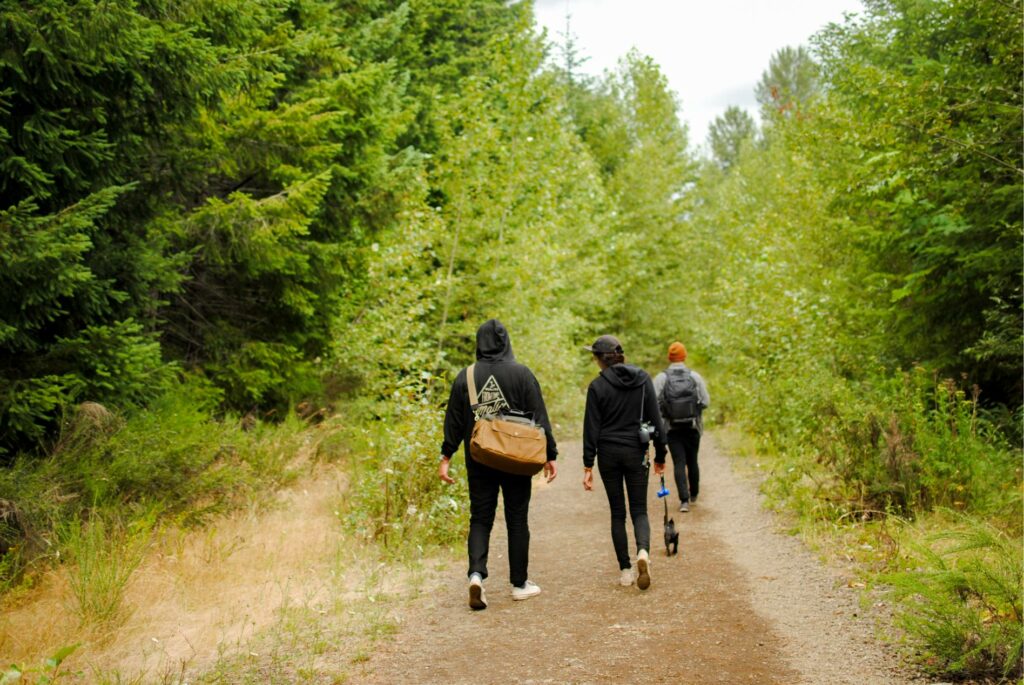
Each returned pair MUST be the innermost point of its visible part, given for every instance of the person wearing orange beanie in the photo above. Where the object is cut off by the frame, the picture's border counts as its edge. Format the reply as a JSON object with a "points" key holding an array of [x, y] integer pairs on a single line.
{"points": [[682, 397], [677, 352]]}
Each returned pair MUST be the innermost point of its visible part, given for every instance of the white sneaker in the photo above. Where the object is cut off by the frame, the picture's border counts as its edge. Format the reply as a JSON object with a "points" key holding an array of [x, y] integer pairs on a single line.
{"points": [[643, 567], [527, 590], [626, 577], [477, 598]]}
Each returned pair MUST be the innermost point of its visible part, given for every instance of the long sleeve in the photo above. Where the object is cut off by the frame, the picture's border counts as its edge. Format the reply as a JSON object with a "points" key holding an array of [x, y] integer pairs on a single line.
{"points": [[535, 405], [455, 416], [591, 428], [659, 385], [702, 390], [653, 416]]}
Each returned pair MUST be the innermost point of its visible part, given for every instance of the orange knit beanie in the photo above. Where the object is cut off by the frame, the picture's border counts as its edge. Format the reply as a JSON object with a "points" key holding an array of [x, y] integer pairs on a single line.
{"points": [[677, 352]]}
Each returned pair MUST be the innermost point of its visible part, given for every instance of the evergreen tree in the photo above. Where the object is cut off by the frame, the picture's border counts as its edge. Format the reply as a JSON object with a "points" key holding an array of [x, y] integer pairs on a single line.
{"points": [[92, 93], [728, 133], [790, 82]]}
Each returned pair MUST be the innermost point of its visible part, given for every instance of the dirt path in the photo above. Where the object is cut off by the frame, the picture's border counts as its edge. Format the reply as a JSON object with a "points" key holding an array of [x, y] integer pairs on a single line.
{"points": [[741, 604]]}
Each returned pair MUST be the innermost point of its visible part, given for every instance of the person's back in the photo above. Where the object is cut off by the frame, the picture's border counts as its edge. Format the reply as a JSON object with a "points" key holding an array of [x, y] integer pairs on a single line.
{"points": [[621, 407], [676, 386], [502, 384], [615, 413]]}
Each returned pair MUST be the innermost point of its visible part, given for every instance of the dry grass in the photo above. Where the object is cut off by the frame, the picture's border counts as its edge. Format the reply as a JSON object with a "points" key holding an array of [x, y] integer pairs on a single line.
{"points": [[197, 595]]}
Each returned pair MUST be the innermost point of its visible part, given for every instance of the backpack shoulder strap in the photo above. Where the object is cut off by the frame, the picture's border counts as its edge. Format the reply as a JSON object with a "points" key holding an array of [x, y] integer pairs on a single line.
{"points": [[471, 383]]}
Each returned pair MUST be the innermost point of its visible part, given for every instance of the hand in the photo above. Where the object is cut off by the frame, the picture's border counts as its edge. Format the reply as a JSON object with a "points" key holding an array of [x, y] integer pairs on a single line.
{"points": [[659, 468], [588, 479], [442, 471], [550, 470]]}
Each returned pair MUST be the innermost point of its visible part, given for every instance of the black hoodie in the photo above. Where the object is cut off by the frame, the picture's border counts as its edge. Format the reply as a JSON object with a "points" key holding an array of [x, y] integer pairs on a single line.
{"points": [[612, 421], [501, 382]]}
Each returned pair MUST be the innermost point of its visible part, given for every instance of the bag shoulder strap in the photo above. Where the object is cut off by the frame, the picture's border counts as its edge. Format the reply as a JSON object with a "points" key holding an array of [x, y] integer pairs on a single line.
{"points": [[471, 383]]}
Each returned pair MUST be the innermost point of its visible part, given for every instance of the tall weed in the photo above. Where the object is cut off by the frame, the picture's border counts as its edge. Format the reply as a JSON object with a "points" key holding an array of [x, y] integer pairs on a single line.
{"points": [[103, 554], [917, 444], [396, 498]]}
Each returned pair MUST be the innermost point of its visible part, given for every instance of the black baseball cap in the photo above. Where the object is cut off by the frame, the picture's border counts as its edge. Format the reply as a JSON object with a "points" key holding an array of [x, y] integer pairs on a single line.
{"points": [[605, 344]]}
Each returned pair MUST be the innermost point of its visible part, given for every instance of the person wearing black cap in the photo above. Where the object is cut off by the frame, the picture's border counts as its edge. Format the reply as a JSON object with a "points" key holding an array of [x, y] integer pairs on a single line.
{"points": [[619, 400], [504, 384]]}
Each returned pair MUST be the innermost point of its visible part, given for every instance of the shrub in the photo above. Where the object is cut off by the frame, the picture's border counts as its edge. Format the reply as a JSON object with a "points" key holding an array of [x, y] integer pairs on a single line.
{"points": [[395, 497], [962, 601], [173, 458], [909, 444]]}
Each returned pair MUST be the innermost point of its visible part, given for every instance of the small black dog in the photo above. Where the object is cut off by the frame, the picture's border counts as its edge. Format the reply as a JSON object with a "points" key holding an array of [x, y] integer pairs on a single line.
{"points": [[671, 535]]}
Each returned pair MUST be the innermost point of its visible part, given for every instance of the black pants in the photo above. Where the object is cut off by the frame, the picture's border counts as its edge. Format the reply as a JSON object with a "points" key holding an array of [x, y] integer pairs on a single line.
{"points": [[484, 483], [684, 443], [617, 469]]}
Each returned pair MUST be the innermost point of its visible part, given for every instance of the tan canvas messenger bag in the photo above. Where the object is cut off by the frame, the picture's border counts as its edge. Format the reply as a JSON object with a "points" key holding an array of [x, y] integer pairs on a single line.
{"points": [[506, 443]]}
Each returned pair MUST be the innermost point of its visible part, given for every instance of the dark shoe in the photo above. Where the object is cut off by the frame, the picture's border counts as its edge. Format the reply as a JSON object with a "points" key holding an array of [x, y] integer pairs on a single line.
{"points": [[684, 507]]}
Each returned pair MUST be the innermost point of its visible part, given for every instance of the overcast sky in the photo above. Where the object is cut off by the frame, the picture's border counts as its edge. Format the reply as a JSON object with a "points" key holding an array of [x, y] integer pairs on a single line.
{"points": [[712, 51]]}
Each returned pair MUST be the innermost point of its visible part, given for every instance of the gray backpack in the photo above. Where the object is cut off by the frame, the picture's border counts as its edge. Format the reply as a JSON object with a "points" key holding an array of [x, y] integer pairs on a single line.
{"points": [[678, 400]]}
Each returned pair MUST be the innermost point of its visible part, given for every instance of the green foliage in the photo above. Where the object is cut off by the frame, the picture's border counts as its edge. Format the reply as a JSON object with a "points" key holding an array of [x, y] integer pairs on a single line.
{"points": [[396, 498], [45, 674], [927, 98], [300, 167], [648, 169], [876, 228], [963, 602], [171, 459], [195, 173], [89, 93], [61, 338]]}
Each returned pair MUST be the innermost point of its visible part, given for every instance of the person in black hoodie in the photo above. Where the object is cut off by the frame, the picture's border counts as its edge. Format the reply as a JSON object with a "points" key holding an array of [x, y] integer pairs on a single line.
{"points": [[618, 401], [503, 384]]}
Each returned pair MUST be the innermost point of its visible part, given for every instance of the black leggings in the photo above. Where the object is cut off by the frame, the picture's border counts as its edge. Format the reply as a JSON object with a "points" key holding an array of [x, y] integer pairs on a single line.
{"points": [[616, 469]]}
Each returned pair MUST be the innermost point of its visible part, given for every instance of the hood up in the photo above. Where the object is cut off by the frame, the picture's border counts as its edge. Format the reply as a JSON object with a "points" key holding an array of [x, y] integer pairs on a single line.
{"points": [[492, 343], [625, 376]]}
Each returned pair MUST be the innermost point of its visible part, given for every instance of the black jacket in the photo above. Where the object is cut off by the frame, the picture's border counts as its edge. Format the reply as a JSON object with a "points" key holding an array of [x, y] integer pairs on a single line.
{"points": [[501, 382], [612, 420]]}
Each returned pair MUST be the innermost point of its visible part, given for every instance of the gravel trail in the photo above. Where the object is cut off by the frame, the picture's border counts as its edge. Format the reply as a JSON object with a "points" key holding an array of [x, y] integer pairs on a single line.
{"points": [[742, 603]]}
